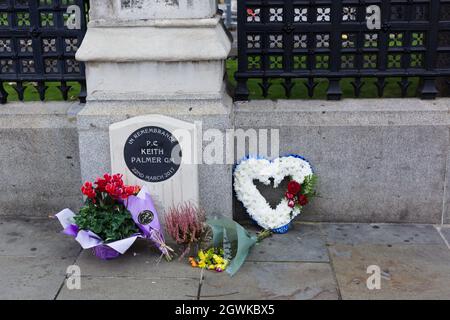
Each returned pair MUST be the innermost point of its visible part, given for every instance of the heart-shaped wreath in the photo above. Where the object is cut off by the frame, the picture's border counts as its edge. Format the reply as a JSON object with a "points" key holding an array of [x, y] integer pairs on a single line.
{"points": [[301, 189]]}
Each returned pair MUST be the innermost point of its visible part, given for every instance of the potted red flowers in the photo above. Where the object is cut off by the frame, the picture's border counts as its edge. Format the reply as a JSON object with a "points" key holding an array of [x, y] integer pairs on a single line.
{"points": [[114, 215]]}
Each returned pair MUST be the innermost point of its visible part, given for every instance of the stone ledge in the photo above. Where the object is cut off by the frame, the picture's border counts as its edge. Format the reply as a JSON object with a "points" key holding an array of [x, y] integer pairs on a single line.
{"points": [[348, 112], [160, 23], [104, 113], [39, 158], [29, 115], [174, 44]]}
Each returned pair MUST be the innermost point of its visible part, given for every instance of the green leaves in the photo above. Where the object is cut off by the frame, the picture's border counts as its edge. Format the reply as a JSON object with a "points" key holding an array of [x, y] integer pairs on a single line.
{"points": [[111, 222], [309, 186]]}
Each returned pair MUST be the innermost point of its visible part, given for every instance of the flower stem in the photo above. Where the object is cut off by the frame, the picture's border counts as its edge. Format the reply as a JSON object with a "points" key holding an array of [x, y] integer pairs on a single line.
{"points": [[264, 234]]}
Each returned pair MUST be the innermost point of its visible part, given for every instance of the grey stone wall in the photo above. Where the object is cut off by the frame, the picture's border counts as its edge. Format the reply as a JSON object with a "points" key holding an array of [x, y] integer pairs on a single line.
{"points": [[39, 158], [377, 160]]}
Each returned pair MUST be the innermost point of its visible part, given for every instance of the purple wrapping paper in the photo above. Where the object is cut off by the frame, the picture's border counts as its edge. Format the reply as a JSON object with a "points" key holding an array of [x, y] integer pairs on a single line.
{"points": [[144, 215], [105, 253]]}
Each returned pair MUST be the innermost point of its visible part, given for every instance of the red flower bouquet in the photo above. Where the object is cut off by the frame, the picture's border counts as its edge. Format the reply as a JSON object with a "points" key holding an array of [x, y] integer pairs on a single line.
{"points": [[113, 217]]}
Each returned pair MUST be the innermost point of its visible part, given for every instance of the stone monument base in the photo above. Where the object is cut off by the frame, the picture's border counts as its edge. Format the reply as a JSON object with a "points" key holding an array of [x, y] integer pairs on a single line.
{"points": [[215, 181], [155, 59]]}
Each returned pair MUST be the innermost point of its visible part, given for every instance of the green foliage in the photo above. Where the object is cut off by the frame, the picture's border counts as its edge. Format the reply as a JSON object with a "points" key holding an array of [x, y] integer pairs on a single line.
{"points": [[309, 186], [111, 222], [52, 93], [277, 90]]}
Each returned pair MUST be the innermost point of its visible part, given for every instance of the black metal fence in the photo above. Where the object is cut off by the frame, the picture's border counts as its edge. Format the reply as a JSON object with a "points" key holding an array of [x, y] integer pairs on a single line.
{"points": [[36, 47], [294, 39]]}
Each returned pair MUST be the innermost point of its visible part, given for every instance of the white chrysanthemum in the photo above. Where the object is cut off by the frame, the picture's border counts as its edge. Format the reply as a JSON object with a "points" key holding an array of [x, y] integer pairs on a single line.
{"points": [[262, 170]]}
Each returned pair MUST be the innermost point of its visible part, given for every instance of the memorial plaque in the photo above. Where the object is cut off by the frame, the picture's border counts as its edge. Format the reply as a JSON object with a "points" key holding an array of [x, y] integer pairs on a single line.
{"points": [[152, 154], [158, 152]]}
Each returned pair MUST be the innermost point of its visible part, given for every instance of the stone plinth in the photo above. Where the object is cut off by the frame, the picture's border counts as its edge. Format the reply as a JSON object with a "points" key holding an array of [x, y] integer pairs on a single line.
{"points": [[152, 9], [159, 60], [161, 57], [160, 49], [94, 121]]}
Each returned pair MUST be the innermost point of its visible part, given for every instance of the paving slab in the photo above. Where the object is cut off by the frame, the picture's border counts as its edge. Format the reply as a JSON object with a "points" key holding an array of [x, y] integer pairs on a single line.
{"points": [[35, 238], [140, 261], [126, 288], [388, 234], [304, 242], [407, 271], [31, 278], [446, 233], [269, 280]]}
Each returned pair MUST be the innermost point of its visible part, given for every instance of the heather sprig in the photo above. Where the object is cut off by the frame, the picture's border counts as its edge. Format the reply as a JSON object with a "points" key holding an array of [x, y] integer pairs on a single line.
{"points": [[186, 225]]}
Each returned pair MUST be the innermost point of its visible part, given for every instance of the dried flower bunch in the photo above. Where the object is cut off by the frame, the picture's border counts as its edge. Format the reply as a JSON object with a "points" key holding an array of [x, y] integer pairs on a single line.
{"points": [[186, 225]]}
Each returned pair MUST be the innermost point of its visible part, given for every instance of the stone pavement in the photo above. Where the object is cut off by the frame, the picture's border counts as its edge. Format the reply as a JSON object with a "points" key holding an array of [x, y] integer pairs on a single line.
{"points": [[313, 261]]}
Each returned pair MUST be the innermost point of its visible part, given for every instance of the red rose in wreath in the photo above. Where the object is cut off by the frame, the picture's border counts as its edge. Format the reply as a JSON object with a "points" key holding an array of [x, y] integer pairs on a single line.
{"points": [[303, 200], [294, 187]]}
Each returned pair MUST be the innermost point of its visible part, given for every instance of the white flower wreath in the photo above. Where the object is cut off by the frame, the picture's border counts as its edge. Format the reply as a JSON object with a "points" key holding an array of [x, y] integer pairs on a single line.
{"points": [[263, 170]]}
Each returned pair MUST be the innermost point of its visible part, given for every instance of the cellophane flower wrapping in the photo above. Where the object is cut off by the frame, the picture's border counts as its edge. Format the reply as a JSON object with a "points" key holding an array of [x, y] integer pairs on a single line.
{"points": [[145, 216], [234, 239]]}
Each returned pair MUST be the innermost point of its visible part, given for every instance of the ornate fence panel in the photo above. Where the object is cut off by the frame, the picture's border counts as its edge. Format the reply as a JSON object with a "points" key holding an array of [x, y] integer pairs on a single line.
{"points": [[294, 39], [37, 46]]}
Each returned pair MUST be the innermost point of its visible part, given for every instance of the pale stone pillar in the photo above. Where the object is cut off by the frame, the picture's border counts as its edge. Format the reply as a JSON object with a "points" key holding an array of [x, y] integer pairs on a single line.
{"points": [[156, 57], [152, 49]]}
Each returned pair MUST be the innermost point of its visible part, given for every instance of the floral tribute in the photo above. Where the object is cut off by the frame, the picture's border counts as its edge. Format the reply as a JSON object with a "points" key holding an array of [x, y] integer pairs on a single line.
{"points": [[113, 217], [186, 225], [211, 259], [298, 195], [301, 189], [230, 246]]}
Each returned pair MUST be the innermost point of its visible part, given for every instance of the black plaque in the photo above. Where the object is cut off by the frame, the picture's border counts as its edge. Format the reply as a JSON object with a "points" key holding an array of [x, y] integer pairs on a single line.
{"points": [[145, 217], [152, 154]]}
